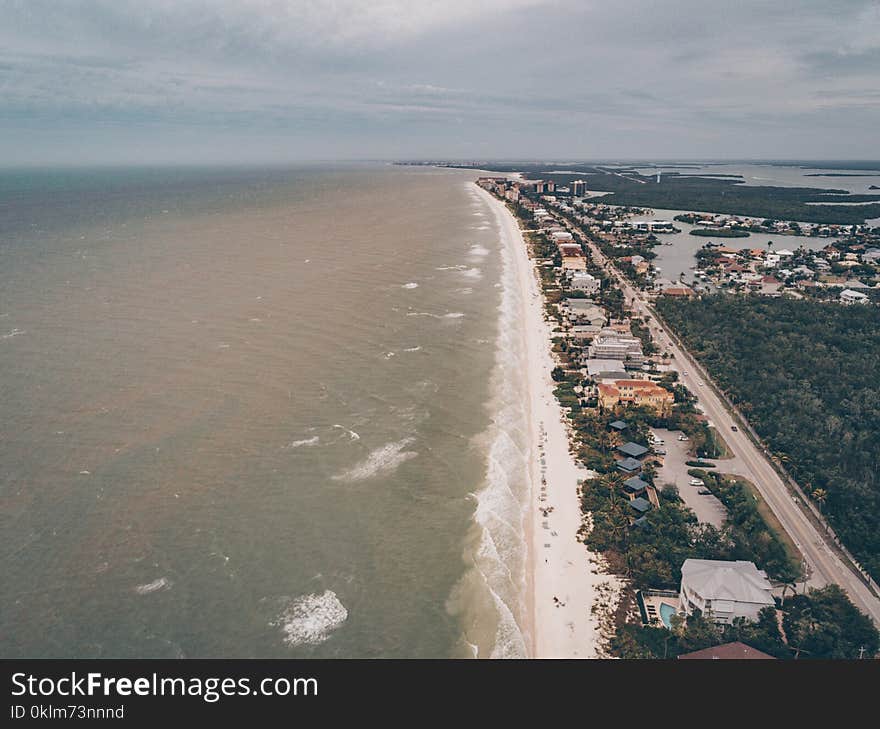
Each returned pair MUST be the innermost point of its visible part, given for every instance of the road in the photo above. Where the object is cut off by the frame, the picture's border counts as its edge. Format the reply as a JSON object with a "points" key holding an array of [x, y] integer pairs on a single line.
{"points": [[824, 566]]}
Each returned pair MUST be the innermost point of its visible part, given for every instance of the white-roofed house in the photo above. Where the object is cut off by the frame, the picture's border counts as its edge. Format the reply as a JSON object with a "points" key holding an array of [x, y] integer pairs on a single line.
{"points": [[728, 590], [848, 296], [583, 281]]}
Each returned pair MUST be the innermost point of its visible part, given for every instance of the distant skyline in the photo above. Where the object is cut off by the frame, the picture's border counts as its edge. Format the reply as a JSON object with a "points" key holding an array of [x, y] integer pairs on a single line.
{"points": [[257, 81]]}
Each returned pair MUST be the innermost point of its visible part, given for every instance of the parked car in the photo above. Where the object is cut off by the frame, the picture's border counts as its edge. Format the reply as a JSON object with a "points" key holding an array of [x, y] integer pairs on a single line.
{"points": [[696, 482], [704, 492], [734, 429], [682, 437], [660, 451]]}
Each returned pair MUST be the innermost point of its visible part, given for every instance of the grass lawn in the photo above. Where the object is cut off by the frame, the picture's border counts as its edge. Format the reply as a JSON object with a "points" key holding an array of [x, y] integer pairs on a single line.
{"points": [[769, 517]]}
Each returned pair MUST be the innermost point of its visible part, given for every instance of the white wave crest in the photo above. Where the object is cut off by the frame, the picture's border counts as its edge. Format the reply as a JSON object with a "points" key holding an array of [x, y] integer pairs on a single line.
{"points": [[310, 619], [450, 315], [474, 273], [305, 442], [478, 251], [163, 583], [351, 433], [410, 285], [381, 461]]}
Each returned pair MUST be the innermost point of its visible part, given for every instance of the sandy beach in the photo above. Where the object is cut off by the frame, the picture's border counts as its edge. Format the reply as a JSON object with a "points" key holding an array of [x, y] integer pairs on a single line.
{"points": [[564, 579]]}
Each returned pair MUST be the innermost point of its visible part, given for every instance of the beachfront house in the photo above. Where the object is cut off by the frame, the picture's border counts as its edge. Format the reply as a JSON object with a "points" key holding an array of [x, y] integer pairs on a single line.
{"points": [[584, 312], [641, 393], [634, 486], [640, 504], [726, 589], [583, 333], [612, 345], [583, 281], [633, 449], [629, 465]]}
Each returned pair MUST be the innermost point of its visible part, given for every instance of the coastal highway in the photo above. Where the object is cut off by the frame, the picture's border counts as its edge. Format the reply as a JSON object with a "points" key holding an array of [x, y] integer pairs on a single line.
{"points": [[824, 564]]}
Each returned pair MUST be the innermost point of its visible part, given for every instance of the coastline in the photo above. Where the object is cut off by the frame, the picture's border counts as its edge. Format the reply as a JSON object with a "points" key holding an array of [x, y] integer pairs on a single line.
{"points": [[563, 578]]}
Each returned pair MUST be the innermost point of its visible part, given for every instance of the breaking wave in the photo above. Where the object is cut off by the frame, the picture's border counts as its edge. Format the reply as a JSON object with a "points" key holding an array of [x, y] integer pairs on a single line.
{"points": [[491, 598], [163, 583], [381, 461], [303, 443], [310, 619]]}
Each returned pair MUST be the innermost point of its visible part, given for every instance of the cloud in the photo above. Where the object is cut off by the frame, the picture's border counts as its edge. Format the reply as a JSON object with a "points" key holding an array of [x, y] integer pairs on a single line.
{"points": [[566, 78]]}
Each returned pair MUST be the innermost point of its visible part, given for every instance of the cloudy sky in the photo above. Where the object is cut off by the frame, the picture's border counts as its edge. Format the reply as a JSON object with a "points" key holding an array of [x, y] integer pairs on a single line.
{"points": [[278, 80]]}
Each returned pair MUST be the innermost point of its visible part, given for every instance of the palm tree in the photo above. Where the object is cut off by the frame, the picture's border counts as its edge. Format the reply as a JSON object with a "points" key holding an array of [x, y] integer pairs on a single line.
{"points": [[820, 496], [788, 584]]}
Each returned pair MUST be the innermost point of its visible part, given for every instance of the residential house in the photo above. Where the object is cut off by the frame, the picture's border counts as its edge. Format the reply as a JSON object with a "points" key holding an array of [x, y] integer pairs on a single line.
{"points": [[583, 311], [628, 465], [770, 286], [633, 449], [727, 589], [848, 296], [583, 281]]}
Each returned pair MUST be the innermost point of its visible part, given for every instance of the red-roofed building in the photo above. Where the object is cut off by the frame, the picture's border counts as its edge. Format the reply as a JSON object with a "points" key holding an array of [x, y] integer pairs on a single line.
{"points": [[642, 393], [678, 291]]}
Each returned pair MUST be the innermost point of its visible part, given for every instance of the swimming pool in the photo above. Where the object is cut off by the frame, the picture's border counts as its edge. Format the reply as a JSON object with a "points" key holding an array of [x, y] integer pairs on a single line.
{"points": [[666, 613]]}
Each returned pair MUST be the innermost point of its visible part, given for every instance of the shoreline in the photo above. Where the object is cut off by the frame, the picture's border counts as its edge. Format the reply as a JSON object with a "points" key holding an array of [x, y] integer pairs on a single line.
{"points": [[563, 579]]}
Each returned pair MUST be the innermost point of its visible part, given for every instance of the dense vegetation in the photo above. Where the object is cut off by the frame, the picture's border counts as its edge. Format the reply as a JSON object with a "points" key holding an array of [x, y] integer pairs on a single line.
{"points": [[730, 197], [807, 375]]}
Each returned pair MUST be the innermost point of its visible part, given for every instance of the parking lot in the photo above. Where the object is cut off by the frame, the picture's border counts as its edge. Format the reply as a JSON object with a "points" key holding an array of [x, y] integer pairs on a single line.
{"points": [[708, 508]]}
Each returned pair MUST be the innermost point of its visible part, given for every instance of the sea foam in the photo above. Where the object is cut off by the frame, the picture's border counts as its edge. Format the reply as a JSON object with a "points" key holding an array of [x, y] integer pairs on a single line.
{"points": [[163, 583], [310, 619], [492, 596], [304, 442], [379, 462]]}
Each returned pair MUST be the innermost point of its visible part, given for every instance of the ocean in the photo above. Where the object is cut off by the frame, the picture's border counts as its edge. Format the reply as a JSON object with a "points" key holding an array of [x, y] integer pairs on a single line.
{"points": [[258, 413]]}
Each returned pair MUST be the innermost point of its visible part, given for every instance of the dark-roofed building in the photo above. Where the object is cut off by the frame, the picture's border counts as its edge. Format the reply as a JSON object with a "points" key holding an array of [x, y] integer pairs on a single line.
{"points": [[633, 450], [640, 505], [729, 651], [629, 465], [641, 522], [618, 425], [635, 485]]}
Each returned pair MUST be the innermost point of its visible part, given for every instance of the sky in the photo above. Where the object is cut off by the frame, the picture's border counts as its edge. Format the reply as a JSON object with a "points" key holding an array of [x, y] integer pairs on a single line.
{"points": [[201, 81]]}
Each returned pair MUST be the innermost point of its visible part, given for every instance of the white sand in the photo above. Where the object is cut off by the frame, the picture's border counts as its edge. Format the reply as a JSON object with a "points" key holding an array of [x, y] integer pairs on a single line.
{"points": [[564, 570]]}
